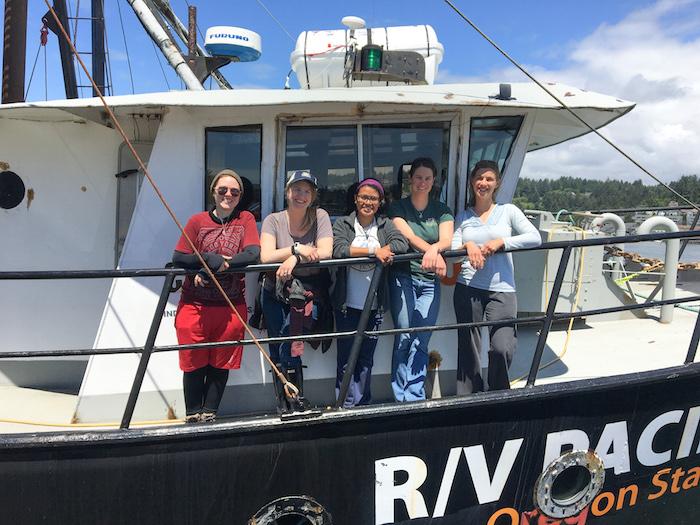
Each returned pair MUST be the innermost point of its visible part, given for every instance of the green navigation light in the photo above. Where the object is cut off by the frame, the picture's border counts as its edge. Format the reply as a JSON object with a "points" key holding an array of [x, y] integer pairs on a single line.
{"points": [[371, 58]]}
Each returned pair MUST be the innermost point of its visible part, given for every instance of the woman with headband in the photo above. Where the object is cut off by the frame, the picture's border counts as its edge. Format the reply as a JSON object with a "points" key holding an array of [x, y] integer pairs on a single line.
{"points": [[363, 233]]}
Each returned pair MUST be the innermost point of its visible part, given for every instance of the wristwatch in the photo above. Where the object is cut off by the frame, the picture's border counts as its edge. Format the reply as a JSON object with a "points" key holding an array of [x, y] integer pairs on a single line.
{"points": [[295, 248]]}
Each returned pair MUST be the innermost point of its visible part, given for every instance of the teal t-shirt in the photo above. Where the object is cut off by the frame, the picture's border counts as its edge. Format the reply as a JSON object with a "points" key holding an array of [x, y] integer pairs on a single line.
{"points": [[425, 224]]}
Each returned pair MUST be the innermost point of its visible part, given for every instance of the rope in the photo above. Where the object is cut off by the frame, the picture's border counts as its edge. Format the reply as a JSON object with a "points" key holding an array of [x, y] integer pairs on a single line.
{"points": [[571, 111], [290, 389]]}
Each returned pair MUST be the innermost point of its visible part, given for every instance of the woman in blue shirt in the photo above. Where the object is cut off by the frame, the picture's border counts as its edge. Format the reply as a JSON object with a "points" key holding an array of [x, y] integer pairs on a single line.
{"points": [[485, 289]]}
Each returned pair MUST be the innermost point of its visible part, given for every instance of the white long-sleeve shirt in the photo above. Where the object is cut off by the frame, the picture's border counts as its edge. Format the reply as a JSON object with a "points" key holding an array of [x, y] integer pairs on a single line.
{"points": [[507, 222]]}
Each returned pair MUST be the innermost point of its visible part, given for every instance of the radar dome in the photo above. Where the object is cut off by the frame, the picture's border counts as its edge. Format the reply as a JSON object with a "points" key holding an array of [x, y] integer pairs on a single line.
{"points": [[236, 43]]}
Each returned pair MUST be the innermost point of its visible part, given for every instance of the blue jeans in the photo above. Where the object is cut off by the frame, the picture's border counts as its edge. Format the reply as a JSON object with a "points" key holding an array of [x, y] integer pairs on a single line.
{"points": [[277, 322], [359, 392], [414, 303]]}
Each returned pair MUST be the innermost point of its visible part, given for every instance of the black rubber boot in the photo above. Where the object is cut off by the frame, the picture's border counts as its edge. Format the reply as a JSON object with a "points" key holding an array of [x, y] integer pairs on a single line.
{"points": [[296, 377], [282, 402]]}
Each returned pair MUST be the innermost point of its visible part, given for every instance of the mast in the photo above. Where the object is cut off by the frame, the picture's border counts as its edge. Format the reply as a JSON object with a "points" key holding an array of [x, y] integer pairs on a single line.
{"points": [[14, 51], [98, 45], [166, 45]]}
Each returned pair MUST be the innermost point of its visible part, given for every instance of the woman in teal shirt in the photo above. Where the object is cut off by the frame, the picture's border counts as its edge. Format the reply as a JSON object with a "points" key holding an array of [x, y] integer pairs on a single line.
{"points": [[414, 287]]}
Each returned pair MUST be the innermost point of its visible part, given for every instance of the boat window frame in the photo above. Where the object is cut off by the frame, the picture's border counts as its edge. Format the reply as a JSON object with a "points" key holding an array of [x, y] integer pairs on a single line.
{"points": [[233, 128], [525, 124], [453, 118]]}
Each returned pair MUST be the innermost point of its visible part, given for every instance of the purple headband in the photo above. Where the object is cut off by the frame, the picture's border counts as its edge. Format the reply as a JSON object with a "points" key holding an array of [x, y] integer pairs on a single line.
{"points": [[374, 183]]}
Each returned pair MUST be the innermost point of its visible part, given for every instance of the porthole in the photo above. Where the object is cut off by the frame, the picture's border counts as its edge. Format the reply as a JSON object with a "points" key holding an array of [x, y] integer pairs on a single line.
{"points": [[292, 510], [12, 190], [569, 484]]}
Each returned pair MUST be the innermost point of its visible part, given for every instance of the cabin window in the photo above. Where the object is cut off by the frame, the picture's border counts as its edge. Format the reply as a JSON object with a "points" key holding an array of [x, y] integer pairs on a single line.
{"points": [[389, 149], [238, 148], [492, 138], [332, 154]]}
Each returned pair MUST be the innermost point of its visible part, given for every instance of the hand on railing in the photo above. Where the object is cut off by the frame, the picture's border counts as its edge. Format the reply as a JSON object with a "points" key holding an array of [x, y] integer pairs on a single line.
{"points": [[491, 247], [475, 255], [384, 255], [200, 279]]}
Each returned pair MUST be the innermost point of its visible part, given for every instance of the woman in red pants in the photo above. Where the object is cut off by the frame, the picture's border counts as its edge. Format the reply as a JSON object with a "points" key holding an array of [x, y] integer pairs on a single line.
{"points": [[226, 237]]}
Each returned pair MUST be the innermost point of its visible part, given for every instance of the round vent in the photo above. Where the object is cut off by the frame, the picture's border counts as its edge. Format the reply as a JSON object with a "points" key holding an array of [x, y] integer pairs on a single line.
{"points": [[12, 190]]}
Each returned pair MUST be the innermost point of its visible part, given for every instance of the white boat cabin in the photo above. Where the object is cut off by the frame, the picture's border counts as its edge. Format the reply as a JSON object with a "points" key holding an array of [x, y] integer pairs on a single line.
{"points": [[86, 207]]}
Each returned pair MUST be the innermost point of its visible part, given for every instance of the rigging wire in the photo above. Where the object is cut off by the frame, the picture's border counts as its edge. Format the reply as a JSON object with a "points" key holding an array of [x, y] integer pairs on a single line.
{"points": [[31, 75], [126, 47], [161, 65], [291, 390], [108, 70], [276, 20], [46, 76], [571, 111]]}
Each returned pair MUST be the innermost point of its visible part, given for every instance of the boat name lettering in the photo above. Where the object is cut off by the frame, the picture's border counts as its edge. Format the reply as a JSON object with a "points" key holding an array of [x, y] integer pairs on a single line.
{"points": [[664, 482], [613, 447]]}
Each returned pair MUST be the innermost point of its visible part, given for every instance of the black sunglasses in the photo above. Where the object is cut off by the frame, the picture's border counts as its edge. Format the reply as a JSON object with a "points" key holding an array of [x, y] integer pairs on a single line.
{"points": [[223, 190]]}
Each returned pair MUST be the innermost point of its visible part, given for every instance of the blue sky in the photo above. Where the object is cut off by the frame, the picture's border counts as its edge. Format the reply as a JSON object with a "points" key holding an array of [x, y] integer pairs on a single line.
{"points": [[534, 32], [642, 50]]}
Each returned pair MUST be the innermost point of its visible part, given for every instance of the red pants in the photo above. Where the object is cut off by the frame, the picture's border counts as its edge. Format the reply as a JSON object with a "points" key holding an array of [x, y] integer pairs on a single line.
{"points": [[207, 324]]}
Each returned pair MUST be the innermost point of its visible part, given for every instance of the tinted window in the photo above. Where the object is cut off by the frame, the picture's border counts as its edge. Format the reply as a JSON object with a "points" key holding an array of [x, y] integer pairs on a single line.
{"points": [[330, 154], [240, 149], [492, 139], [389, 149]]}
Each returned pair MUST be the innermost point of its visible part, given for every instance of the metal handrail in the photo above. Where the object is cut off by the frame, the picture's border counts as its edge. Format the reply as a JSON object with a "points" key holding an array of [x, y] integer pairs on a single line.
{"points": [[162, 272], [358, 335]]}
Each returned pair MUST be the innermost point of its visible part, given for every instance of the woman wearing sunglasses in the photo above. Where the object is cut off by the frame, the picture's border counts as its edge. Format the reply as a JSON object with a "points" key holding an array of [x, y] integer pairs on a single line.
{"points": [[226, 237], [362, 233]]}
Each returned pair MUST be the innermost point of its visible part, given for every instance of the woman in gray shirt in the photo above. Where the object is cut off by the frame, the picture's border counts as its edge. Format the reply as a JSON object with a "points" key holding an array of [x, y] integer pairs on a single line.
{"points": [[300, 234]]}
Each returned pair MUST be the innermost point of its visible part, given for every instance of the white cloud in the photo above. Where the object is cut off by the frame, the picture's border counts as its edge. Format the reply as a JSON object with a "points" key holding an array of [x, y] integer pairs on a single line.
{"points": [[651, 58]]}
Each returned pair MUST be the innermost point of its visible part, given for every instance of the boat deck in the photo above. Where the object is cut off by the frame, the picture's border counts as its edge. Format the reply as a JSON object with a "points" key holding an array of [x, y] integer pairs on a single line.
{"points": [[594, 349]]}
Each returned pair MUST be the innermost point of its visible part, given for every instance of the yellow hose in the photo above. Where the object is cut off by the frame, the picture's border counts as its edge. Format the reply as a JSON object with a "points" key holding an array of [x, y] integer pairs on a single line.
{"points": [[91, 425]]}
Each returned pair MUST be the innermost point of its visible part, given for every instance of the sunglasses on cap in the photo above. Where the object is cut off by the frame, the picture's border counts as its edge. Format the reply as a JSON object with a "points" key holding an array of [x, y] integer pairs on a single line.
{"points": [[223, 190]]}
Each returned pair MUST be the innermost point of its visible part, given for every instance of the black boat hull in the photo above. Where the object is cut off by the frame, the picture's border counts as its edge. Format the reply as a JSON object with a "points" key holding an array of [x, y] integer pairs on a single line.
{"points": [[480, 458]]}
